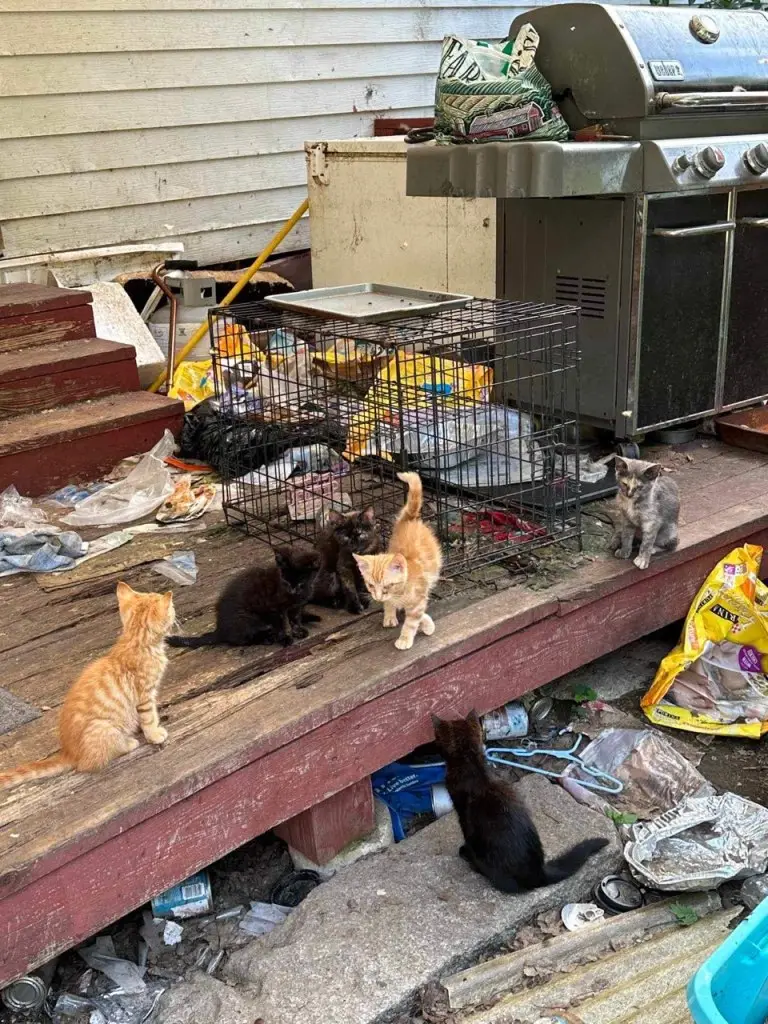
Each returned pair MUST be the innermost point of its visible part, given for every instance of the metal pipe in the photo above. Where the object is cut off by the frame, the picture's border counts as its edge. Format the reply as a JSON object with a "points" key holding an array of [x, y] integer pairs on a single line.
{"points": [[232, 294], [710, 100], [697, 230], [725, 305], [173, 302], [753, 222]]}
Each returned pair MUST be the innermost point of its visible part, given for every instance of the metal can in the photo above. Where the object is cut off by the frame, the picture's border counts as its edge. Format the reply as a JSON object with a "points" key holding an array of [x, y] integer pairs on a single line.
{"points": [[28, 994], [506, 722], [189, 898], [441, 800], [540, 711]]}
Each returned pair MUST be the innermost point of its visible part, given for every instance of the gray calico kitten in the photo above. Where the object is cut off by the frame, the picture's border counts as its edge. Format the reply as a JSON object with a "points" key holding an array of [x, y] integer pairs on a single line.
{"points": [[649, 505]]}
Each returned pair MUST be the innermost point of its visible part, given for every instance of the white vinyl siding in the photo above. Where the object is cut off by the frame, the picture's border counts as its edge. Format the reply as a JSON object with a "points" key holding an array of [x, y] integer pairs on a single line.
{"points": [[138, 121]]}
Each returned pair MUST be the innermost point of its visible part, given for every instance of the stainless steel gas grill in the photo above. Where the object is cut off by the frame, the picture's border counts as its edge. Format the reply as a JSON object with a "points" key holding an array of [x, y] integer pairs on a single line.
{"points": [[653, 218]]}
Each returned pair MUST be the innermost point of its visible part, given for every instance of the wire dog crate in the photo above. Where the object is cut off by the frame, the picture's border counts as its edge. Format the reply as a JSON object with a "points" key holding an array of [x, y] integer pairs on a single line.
{"points": [[482, 402]]}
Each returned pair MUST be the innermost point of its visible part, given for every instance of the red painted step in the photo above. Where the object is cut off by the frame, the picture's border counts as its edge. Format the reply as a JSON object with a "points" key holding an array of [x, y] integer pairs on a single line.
{"points": [[42, 451], [33, 314], [69, 371]]}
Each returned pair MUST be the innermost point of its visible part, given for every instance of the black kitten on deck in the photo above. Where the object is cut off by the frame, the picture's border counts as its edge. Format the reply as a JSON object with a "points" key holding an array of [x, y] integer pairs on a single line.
{"points": [[339, 583], [500, 839], [263, 605]]}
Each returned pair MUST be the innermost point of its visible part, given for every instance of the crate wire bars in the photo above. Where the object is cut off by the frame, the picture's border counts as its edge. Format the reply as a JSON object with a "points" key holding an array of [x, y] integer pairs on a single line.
{"points": [[320, 414]]}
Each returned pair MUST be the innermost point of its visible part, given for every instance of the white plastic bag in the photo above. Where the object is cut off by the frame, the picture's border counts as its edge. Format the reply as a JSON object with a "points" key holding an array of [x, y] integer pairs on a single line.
{"points": [[144, 489]]}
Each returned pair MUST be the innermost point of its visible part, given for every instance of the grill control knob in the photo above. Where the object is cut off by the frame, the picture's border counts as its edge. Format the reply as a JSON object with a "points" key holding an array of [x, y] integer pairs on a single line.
{"points": [[709, 161], [681, 163], [756, 158]]}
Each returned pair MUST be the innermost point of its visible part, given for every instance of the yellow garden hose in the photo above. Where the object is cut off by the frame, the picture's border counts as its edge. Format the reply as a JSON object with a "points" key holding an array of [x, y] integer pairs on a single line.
{"points": [[232, 294]]}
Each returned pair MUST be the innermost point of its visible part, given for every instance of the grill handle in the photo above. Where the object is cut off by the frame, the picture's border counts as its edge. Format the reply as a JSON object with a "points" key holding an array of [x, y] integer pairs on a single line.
{"points": [[720, 228], [711, 100], [753, 222]]}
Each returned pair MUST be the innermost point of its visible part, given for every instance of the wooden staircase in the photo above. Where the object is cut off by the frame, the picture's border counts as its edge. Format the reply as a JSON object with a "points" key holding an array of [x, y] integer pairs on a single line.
{"points": [[70, 403]]}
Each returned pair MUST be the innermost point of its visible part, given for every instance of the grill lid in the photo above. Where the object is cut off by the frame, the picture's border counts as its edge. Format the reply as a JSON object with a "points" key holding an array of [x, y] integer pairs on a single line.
{"points": [[616, 63]]}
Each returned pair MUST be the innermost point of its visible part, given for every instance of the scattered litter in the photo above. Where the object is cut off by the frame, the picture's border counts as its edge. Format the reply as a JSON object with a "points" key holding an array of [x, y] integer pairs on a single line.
{"points": [[441, 801], [262, 918], [579, 915], [186, 502], [19, 512], [715, 680], [589, 472], [700, 844], [225, 915], [42, 549], [172, 933], [192, 382], [654, 776], [406, 789], [180, 567], [128, 976], [294, 888], [189, 898], [28, 994], [73, 494], [615, 894], [215, 962], [137, 495], [591, 776], [506, 722], [70, 1005]]}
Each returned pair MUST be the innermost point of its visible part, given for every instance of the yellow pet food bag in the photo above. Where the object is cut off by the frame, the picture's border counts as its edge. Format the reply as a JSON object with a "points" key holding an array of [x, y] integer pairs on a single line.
{"points": [[193, 383], [715, 680]]}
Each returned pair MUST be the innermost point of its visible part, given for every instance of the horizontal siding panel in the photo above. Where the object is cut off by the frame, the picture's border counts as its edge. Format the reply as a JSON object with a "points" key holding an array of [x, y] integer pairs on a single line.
{"points": [[152, 221], [73, 154], [137, 186], [241, 243], [61, 115], [57, 74], [85, 6], [106, 32]]}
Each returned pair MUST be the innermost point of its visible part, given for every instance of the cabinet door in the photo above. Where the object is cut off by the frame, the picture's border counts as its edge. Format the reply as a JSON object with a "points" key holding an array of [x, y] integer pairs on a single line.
{"points": [[746, 364]]}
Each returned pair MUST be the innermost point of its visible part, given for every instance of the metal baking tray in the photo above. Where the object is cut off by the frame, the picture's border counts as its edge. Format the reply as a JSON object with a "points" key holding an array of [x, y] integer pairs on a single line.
{"points": [[369, 303]]}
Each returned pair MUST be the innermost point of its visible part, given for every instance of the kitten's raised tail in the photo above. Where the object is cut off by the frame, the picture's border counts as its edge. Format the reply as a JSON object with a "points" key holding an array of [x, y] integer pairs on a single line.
{"points": [[412, 507], [568, 863], [206, 640], [56, 764]]}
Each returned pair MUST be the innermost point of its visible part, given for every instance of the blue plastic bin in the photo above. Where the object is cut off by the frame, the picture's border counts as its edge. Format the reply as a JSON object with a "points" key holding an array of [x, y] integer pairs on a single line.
{"points": [[732, 986]]}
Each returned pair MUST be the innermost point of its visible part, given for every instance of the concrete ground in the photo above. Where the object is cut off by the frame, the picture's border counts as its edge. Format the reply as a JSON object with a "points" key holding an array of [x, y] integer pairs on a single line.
{"points": [[360, 947]]}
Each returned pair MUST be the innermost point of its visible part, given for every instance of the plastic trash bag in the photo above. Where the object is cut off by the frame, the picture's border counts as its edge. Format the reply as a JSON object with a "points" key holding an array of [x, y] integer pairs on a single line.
{"points": [[144, 489], [180, 567], [655, 776], [494, 92], [716, 679], [700, 844], [19, 512]]}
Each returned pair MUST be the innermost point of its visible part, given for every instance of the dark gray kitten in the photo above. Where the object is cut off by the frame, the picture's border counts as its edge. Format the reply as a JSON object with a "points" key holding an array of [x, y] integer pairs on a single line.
{"points": [[649, 506]]}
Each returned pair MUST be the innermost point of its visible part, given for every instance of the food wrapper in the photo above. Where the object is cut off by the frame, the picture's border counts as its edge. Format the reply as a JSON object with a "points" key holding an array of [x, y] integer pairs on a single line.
{"points": [[193, 383], [716, 679]]}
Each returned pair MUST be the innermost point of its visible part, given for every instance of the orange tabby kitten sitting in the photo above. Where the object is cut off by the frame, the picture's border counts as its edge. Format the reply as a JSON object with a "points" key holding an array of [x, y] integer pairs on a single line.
{"points": [[405, 575], [114, 696]]}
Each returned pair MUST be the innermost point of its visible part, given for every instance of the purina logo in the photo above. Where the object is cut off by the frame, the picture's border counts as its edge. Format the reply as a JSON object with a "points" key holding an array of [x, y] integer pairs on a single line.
{"points": [[717, 609]]}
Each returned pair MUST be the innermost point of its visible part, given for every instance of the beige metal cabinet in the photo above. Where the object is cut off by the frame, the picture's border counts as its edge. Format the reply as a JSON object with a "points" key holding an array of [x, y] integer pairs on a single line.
{"points": [[363, 227]]}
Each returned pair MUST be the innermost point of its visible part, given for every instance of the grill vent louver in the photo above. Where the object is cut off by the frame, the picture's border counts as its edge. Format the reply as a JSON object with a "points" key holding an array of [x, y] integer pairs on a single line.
{"points": [[586, 292]]}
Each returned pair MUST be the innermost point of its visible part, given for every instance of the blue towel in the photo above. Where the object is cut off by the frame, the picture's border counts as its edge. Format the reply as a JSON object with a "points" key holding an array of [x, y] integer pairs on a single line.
{"points": [[40, 550]]}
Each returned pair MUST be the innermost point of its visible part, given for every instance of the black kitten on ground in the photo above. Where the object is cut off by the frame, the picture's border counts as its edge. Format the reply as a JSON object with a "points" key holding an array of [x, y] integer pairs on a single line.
{"points": [[339, 583], [263, 605], [500, 839]]}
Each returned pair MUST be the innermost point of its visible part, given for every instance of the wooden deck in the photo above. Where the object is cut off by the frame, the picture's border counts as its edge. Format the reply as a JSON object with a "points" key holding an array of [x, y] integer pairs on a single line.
{"points": [[259, 736]]}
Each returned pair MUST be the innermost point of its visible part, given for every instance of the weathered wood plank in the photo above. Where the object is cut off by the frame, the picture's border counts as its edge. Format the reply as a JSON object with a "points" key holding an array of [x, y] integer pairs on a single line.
{"points": [[324, 830]]}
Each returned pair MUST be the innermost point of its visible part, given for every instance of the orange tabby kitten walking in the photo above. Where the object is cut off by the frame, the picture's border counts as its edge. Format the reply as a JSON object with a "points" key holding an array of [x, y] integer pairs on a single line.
{"points": [[114, 696], [405, 575]]}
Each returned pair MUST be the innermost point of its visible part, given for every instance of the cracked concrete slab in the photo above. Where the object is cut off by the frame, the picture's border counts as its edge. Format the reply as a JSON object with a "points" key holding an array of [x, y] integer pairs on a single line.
{"points": [[361, 945]]}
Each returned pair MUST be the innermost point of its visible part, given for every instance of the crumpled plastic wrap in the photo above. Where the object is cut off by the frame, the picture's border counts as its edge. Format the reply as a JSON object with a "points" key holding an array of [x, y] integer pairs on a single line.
{"points": [[700, 844], [656, 777]]}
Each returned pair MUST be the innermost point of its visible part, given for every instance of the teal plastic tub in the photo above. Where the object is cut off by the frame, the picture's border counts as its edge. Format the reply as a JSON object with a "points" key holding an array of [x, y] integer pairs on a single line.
{"points": [[732, 986]]}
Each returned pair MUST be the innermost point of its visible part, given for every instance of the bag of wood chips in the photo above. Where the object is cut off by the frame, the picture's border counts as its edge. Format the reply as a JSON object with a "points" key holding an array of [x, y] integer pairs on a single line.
{"points": [[489, 92]]}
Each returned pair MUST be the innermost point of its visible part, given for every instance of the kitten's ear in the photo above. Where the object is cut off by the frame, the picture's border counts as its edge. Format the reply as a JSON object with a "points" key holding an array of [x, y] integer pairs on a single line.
{"points": [[282, 557], [397, 565], [369, 515], [334, 518], [363, 564], [436, 722], [125, 598], [653, 471], [168, 599], [473, 718], [621, 465]]}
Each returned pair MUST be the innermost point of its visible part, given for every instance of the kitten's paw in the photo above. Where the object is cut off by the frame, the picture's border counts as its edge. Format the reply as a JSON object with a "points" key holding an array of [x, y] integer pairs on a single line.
{"points": [[131, 743], [642, 561], [156, 736], [285, 639], [623, 554], [390, 622], [300, 632], [404, 643], [354, 607], [365, 599], [426, 625]]}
